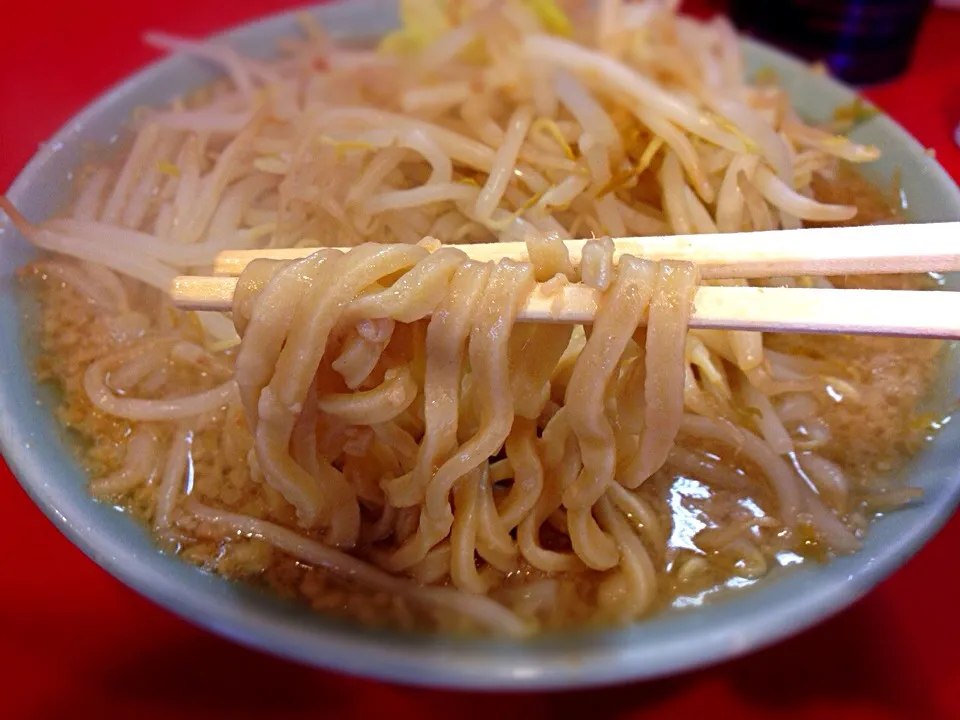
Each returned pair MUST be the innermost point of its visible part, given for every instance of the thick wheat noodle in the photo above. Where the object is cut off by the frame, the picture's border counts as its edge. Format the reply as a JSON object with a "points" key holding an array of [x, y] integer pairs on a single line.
{"points": [[521, 449], [172, 479], [446, 343], [506, 289], [479, 522], [556, 477], [360, 354], [612, 330], [509, 283], [635, 561], [487, 612], [139, 464], [377, 405], [494, 543], [266, 323], [463, 536], [269, 322], [414, 295], [339, 281], [669, 315], [487, 523], [786, 484], [535, 351], [177, 408]]}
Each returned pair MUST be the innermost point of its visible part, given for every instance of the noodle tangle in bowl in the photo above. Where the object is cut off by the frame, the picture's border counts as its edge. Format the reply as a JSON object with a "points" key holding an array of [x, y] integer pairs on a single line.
{"points": [[372, 430], [288, 379]]}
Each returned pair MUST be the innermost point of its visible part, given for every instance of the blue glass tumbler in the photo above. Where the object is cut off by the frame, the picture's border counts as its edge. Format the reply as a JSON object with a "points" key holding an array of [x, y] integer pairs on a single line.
{"points": [[860, 41]]}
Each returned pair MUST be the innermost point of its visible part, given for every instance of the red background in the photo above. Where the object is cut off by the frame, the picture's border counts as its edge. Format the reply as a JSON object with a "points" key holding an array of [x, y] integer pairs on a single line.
{"points": [[73, 639]]}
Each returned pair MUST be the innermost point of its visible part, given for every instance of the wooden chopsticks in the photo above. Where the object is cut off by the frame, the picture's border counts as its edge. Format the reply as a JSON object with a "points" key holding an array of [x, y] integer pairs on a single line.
{"points": [[879, 249], [867, 250]]}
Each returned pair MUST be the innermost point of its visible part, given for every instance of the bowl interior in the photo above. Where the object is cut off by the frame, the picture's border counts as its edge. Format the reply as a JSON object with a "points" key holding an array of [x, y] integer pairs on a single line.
{"points": [[39, 453]]}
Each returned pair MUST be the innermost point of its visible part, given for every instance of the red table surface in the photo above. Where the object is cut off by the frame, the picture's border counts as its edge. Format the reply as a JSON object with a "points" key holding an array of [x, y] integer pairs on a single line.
{"points": [[73, 639]]}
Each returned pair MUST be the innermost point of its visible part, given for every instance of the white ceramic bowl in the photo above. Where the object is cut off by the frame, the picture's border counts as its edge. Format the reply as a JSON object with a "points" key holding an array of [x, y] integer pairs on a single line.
{"points": [[35, 448]]}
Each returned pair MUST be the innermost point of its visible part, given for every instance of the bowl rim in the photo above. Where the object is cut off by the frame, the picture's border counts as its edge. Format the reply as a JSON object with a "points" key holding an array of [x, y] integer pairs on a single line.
{"points": [[444, 663]]}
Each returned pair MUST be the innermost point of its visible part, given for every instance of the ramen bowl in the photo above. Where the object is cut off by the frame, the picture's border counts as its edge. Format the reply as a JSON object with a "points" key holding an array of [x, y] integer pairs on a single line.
{"points": [[39, 453]]}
